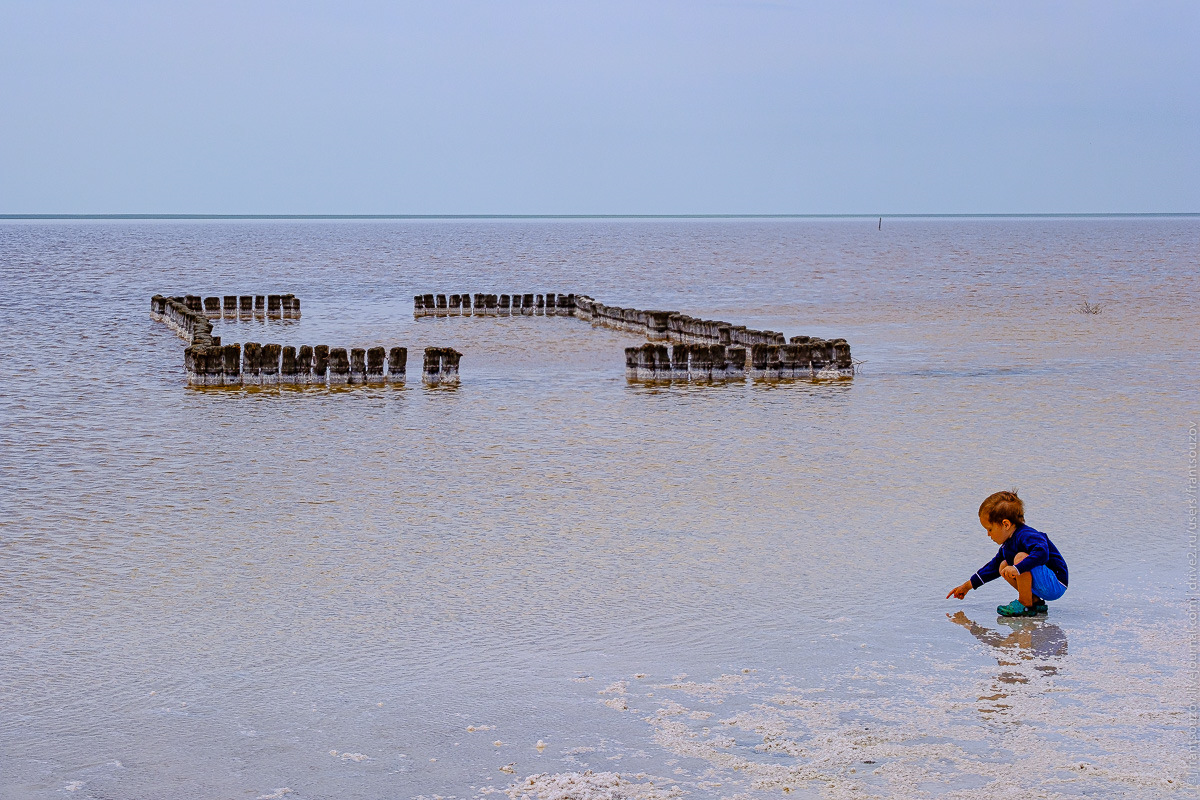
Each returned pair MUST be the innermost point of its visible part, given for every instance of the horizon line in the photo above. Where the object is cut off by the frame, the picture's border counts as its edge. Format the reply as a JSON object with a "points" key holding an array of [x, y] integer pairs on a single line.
{"points": [[1010, 215]]}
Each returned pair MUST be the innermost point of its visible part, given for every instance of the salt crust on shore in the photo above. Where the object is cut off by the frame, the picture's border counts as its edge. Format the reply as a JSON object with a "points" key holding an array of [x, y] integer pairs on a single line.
{"points": [[1108, 719], [591, 786]]}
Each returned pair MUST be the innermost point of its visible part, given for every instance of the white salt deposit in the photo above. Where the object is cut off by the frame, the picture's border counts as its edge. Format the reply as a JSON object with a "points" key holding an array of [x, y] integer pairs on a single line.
{"points": [[945, 730], [280, 792], [592, 786]]}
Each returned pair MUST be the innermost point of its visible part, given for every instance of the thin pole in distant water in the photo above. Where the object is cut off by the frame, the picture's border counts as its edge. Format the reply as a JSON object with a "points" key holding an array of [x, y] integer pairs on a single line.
{"points": [[881, 223]]}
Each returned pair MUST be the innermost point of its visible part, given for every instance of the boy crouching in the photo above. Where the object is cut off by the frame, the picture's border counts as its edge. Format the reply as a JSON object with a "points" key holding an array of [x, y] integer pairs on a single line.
{"points": [[1027, 559]]}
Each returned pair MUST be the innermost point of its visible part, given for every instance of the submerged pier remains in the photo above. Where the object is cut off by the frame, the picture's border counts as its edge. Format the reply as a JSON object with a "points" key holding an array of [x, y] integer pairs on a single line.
{"points": [[208, 362], [679, 347], [698, 350]]}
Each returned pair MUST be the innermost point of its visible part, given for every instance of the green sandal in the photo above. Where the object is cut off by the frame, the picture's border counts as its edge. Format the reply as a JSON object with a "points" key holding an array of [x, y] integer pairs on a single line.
{"points": [[1016, 609]]}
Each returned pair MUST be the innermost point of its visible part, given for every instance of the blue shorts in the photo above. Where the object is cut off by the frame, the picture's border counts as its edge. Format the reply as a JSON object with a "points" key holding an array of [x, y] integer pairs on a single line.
{"points": [[1046, 584]]}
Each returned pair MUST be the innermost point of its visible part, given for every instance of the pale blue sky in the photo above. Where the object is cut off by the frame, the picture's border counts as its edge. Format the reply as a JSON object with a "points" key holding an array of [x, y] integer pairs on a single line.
{"points": [[579, 107]]}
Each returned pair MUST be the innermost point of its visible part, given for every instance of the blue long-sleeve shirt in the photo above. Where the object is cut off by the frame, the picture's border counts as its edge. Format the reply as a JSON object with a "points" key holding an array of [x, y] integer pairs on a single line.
{"points": [[1038, 550]]}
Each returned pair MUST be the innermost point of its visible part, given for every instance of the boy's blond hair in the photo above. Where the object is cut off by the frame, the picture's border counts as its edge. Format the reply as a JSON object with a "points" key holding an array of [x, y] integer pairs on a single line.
{"points": [[1001, 506]]}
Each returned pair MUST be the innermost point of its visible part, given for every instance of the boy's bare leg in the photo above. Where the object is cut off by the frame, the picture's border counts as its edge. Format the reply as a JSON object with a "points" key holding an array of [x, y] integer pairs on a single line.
{"points": [[1024, 582]]}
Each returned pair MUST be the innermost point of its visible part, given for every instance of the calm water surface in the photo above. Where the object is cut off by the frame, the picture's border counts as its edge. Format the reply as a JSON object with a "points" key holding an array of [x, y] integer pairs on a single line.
{"points": [[714, 591]]}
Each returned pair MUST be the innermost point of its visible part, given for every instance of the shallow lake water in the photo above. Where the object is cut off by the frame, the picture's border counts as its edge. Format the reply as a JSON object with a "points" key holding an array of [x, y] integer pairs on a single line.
{"points": [[551, 582]]}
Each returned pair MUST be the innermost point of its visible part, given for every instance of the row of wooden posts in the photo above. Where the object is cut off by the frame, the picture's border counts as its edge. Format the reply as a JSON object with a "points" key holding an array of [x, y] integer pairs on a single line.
{"points": [[493, 305], [276, 306], [765, 354], [254, 364], [701, 349], [207, 362], [717, 362]]}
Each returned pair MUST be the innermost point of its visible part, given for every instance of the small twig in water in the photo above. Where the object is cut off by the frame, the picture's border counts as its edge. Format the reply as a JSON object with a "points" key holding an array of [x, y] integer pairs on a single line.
{"points": [[1089, 308]]}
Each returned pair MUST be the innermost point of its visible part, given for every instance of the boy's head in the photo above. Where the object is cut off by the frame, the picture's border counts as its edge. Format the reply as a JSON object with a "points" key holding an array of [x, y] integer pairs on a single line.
{"points": [[1001, 514]]}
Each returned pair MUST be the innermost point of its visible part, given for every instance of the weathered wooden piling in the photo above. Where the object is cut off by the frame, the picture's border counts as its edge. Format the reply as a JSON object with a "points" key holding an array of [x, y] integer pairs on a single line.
{"points": [[774, 362], [358, 365], [397, 364], [841, 356], [735, 362], [274, 307], [245, 305], [527, 306], [212, 306], [204, 365], [631, 362], [758, 360], [193, 364], [489, 305], [679, 360], [431, 368], [653, 362], [450, 361], [270, 363], [252, 364], [231, 364], [339, 366], [320, 369], [229, 305], [584, 306], [189, 365], [505, 305], [700, 366], [304, 363], [441, 308], [656, 325], [287, 366], [440, 365], [375, 361], [260, 305]]}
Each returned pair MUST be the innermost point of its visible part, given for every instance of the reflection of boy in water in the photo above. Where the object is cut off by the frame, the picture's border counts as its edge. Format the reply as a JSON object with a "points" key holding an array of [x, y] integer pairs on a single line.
{"points": [[1028, 640], [1027, 559]]}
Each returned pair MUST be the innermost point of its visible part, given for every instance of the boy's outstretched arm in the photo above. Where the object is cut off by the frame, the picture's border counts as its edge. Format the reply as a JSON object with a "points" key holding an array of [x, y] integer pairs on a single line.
{"points": [[960, 591]]}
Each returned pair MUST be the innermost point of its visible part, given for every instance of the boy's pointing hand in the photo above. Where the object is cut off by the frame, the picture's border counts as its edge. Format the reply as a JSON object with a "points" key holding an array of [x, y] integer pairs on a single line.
{"points": [[960, 591]]}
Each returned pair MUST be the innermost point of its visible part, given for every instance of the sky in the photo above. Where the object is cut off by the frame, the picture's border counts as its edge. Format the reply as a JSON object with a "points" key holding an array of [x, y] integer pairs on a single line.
{"points": [[577, 107]]}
